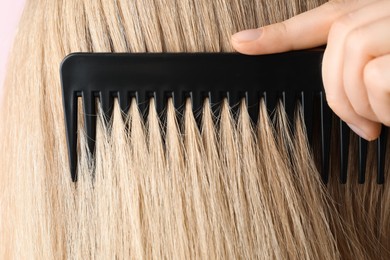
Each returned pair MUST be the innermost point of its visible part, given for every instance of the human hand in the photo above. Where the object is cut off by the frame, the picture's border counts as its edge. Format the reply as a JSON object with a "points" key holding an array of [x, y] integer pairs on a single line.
{"points": [[356, 63]]}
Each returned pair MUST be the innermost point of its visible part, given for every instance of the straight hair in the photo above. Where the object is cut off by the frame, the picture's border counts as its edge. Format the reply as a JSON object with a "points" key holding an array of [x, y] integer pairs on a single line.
{"points": [[169, 187]]}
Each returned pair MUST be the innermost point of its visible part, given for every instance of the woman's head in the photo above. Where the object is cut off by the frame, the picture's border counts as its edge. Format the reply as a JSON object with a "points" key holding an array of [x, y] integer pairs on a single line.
{"points": [[154, 188]]}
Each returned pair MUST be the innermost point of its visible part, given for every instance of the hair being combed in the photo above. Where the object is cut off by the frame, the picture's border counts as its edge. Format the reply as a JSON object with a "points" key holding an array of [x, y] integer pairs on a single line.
{"points": [[182, 185]]}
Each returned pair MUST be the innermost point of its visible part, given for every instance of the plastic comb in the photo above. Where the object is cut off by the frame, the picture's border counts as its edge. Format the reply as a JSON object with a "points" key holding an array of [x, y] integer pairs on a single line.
{"points": [[288, 77]]}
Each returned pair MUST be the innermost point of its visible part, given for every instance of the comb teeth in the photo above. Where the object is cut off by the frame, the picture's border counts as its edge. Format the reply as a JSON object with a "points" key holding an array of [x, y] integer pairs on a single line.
{"points": [[90, 118], [344, 147], [326, 119], [123, 101], [307, 105], [287, 77], [362, 153], [289, 100], [70, 106]]}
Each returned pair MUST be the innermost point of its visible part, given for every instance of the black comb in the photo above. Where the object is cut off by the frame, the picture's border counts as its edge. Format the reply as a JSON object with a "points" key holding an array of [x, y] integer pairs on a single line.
{"points": [[291, 77]]}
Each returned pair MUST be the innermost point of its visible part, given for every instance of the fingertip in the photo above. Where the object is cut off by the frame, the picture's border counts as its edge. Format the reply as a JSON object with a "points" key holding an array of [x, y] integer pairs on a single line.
{"points": [[374, 131], [369, 131]]}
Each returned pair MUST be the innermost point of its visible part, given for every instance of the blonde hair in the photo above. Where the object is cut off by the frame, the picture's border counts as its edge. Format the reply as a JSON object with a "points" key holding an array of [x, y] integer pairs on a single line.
{"points": [[165, 187]]}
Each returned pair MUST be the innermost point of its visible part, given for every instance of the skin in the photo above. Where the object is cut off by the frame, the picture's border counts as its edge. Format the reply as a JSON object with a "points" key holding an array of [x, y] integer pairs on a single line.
{"points": [[356, 64]]}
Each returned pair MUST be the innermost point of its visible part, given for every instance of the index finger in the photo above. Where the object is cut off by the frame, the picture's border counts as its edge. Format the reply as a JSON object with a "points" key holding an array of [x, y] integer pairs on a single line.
{"points": [[306, 30]]}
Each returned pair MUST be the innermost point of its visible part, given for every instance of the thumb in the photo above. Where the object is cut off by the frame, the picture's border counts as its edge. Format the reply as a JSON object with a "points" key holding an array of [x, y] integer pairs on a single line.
{"points": [[306, 30]]}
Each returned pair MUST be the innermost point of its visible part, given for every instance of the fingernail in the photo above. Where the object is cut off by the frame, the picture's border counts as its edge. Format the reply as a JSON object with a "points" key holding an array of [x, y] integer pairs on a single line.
{"points": [[247, 35], [358, 131]]}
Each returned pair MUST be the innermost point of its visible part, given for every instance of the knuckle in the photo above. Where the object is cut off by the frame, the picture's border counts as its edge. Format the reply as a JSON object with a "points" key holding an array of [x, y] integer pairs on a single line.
{"points": [[374, 78], [340, 27], [277, 28], [356, 41], [281, 28]]}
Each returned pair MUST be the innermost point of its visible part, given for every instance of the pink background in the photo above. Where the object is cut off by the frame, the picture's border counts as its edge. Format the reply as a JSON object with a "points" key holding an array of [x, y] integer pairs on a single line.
{"points": [[10, 12]]}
